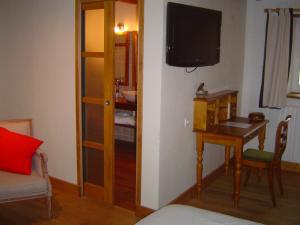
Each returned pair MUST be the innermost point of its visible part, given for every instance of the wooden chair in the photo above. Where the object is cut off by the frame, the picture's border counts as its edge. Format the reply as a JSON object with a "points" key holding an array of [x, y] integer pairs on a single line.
{"points": [[18, 187], [271, 161]]}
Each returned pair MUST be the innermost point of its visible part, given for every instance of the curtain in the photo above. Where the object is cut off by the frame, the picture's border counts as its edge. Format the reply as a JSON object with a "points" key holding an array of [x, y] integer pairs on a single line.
{"points": [[277, 58], [294, 85]]}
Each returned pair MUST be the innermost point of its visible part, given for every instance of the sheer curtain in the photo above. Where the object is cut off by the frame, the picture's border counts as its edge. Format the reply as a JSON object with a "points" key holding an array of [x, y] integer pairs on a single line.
{"points": [[294, 84], [277, 57]]}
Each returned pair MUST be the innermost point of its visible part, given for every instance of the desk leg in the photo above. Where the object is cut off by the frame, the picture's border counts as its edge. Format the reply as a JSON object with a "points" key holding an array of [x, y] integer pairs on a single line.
{"points": [[261, 141], [200, 148], [238, 148], [227, 158], [261, 138]]}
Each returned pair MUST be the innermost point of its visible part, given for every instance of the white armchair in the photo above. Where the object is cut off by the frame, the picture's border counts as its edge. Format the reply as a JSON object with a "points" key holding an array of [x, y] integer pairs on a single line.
{"points": [[17, 187]]}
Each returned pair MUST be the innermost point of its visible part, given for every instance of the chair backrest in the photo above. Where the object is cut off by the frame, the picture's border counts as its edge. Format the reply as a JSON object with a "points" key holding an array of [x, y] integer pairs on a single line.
{"points": [[281, 139], [22, 126]]}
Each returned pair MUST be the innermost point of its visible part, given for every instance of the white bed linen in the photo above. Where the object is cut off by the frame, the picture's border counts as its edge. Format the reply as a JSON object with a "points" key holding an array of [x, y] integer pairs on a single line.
{"points": [[125, 120], [124, 117], [187, 215]]}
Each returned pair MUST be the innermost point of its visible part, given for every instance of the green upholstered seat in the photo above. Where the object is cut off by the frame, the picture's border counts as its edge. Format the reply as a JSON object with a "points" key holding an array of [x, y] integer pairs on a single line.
{"points": [[256, 155], [253, 158]]}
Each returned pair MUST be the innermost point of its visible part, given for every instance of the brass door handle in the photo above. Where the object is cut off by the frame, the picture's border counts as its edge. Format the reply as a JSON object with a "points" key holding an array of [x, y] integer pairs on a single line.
{"points": [[107, 102]]}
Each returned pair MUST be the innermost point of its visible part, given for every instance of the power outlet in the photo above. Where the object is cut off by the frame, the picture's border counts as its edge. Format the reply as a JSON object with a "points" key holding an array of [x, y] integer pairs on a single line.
{"points": [[187, 122]]}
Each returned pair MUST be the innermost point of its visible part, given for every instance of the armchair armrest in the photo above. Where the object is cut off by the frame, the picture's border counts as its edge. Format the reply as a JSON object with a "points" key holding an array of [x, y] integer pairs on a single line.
{"points": [[39, 164]]}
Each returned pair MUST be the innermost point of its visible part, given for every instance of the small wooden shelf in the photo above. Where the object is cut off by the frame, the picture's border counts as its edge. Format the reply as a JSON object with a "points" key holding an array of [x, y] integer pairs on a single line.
{"points": [[124, 125], [213, 108]]}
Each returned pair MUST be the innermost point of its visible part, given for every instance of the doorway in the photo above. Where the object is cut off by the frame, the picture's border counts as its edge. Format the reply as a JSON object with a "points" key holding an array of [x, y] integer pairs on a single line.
{"points": [[108, 69], [125, 106]]}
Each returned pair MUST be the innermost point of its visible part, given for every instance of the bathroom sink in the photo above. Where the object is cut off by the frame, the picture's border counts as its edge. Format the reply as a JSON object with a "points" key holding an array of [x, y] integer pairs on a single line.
{"points": [[129, 95]]}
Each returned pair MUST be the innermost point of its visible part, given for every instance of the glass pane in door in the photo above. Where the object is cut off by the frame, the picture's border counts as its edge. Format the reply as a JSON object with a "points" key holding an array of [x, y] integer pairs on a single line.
{"points": [[93, 171], [94, 30], [93, 77], [93, 116]]}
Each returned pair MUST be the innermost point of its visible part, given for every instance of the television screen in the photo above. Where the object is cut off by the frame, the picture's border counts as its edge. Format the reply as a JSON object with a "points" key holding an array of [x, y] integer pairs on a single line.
{"points": [[193, 36]]}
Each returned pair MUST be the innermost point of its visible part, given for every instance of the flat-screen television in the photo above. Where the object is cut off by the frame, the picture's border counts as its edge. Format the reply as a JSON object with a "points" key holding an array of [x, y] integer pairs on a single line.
{"points": [[193, 36]]}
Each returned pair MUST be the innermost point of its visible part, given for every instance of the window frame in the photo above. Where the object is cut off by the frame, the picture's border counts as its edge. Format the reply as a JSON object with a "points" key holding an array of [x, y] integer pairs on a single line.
{"points": [[294, 86]]}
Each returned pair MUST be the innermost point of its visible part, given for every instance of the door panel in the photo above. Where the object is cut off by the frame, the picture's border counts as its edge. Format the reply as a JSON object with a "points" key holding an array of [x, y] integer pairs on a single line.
{"points": [[96, 88]]}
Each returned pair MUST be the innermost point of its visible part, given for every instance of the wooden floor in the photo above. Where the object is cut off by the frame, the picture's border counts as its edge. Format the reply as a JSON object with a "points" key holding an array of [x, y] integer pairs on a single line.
{"points": [[68, 210], [125, 174], [73, 210], [255, 202]]}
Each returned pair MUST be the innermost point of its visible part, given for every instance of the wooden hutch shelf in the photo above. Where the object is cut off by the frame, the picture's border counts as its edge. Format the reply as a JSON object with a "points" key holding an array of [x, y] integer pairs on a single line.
{"points": [[210, 110]]}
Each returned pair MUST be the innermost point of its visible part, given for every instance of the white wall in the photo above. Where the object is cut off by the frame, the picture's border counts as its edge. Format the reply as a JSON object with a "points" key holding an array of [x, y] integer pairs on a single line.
{"points": [[153, 48], [169, 150], [253, 66], [37, 75], [4, 86]]}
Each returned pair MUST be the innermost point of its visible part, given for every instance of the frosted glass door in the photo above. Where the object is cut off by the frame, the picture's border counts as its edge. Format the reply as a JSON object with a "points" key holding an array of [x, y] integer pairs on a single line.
{"points": [[92, 81], [95, 96]]}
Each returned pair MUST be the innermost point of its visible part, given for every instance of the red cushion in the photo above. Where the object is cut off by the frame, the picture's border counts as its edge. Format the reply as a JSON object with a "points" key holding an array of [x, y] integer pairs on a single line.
{"points": [[16, 151]]}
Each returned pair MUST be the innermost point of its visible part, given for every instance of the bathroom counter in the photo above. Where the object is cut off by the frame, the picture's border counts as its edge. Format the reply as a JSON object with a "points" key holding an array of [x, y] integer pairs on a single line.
{"points": [[122, 103]]}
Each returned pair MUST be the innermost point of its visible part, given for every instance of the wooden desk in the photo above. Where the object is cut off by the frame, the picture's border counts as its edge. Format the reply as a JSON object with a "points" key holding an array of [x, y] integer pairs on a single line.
{"points": [[229, 136]]}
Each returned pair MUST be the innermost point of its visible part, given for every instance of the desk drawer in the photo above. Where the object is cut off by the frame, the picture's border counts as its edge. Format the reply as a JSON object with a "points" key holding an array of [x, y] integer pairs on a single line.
{"points": [[251, 136]]}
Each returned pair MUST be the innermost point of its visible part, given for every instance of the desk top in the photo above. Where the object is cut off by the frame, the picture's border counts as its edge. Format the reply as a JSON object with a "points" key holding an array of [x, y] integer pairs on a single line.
{"points": [[245, 129], [216, 95]]}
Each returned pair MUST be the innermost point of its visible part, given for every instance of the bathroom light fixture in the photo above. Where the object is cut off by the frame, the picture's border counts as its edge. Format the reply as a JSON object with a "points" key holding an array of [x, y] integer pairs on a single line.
{"points": [[120, 28]]}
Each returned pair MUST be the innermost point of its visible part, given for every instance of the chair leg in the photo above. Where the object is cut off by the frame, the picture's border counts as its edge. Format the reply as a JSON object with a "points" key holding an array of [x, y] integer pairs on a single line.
{"points": [[278, 176], [271, 186], [248, 173], [227, 159], [233, 175], [259, 174], [49, 205]]}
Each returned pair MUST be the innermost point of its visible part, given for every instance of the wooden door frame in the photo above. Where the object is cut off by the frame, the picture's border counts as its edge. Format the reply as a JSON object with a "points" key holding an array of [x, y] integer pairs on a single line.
{"points": [[140, 61], [78, 95], [109, 112], [140, 57]]}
